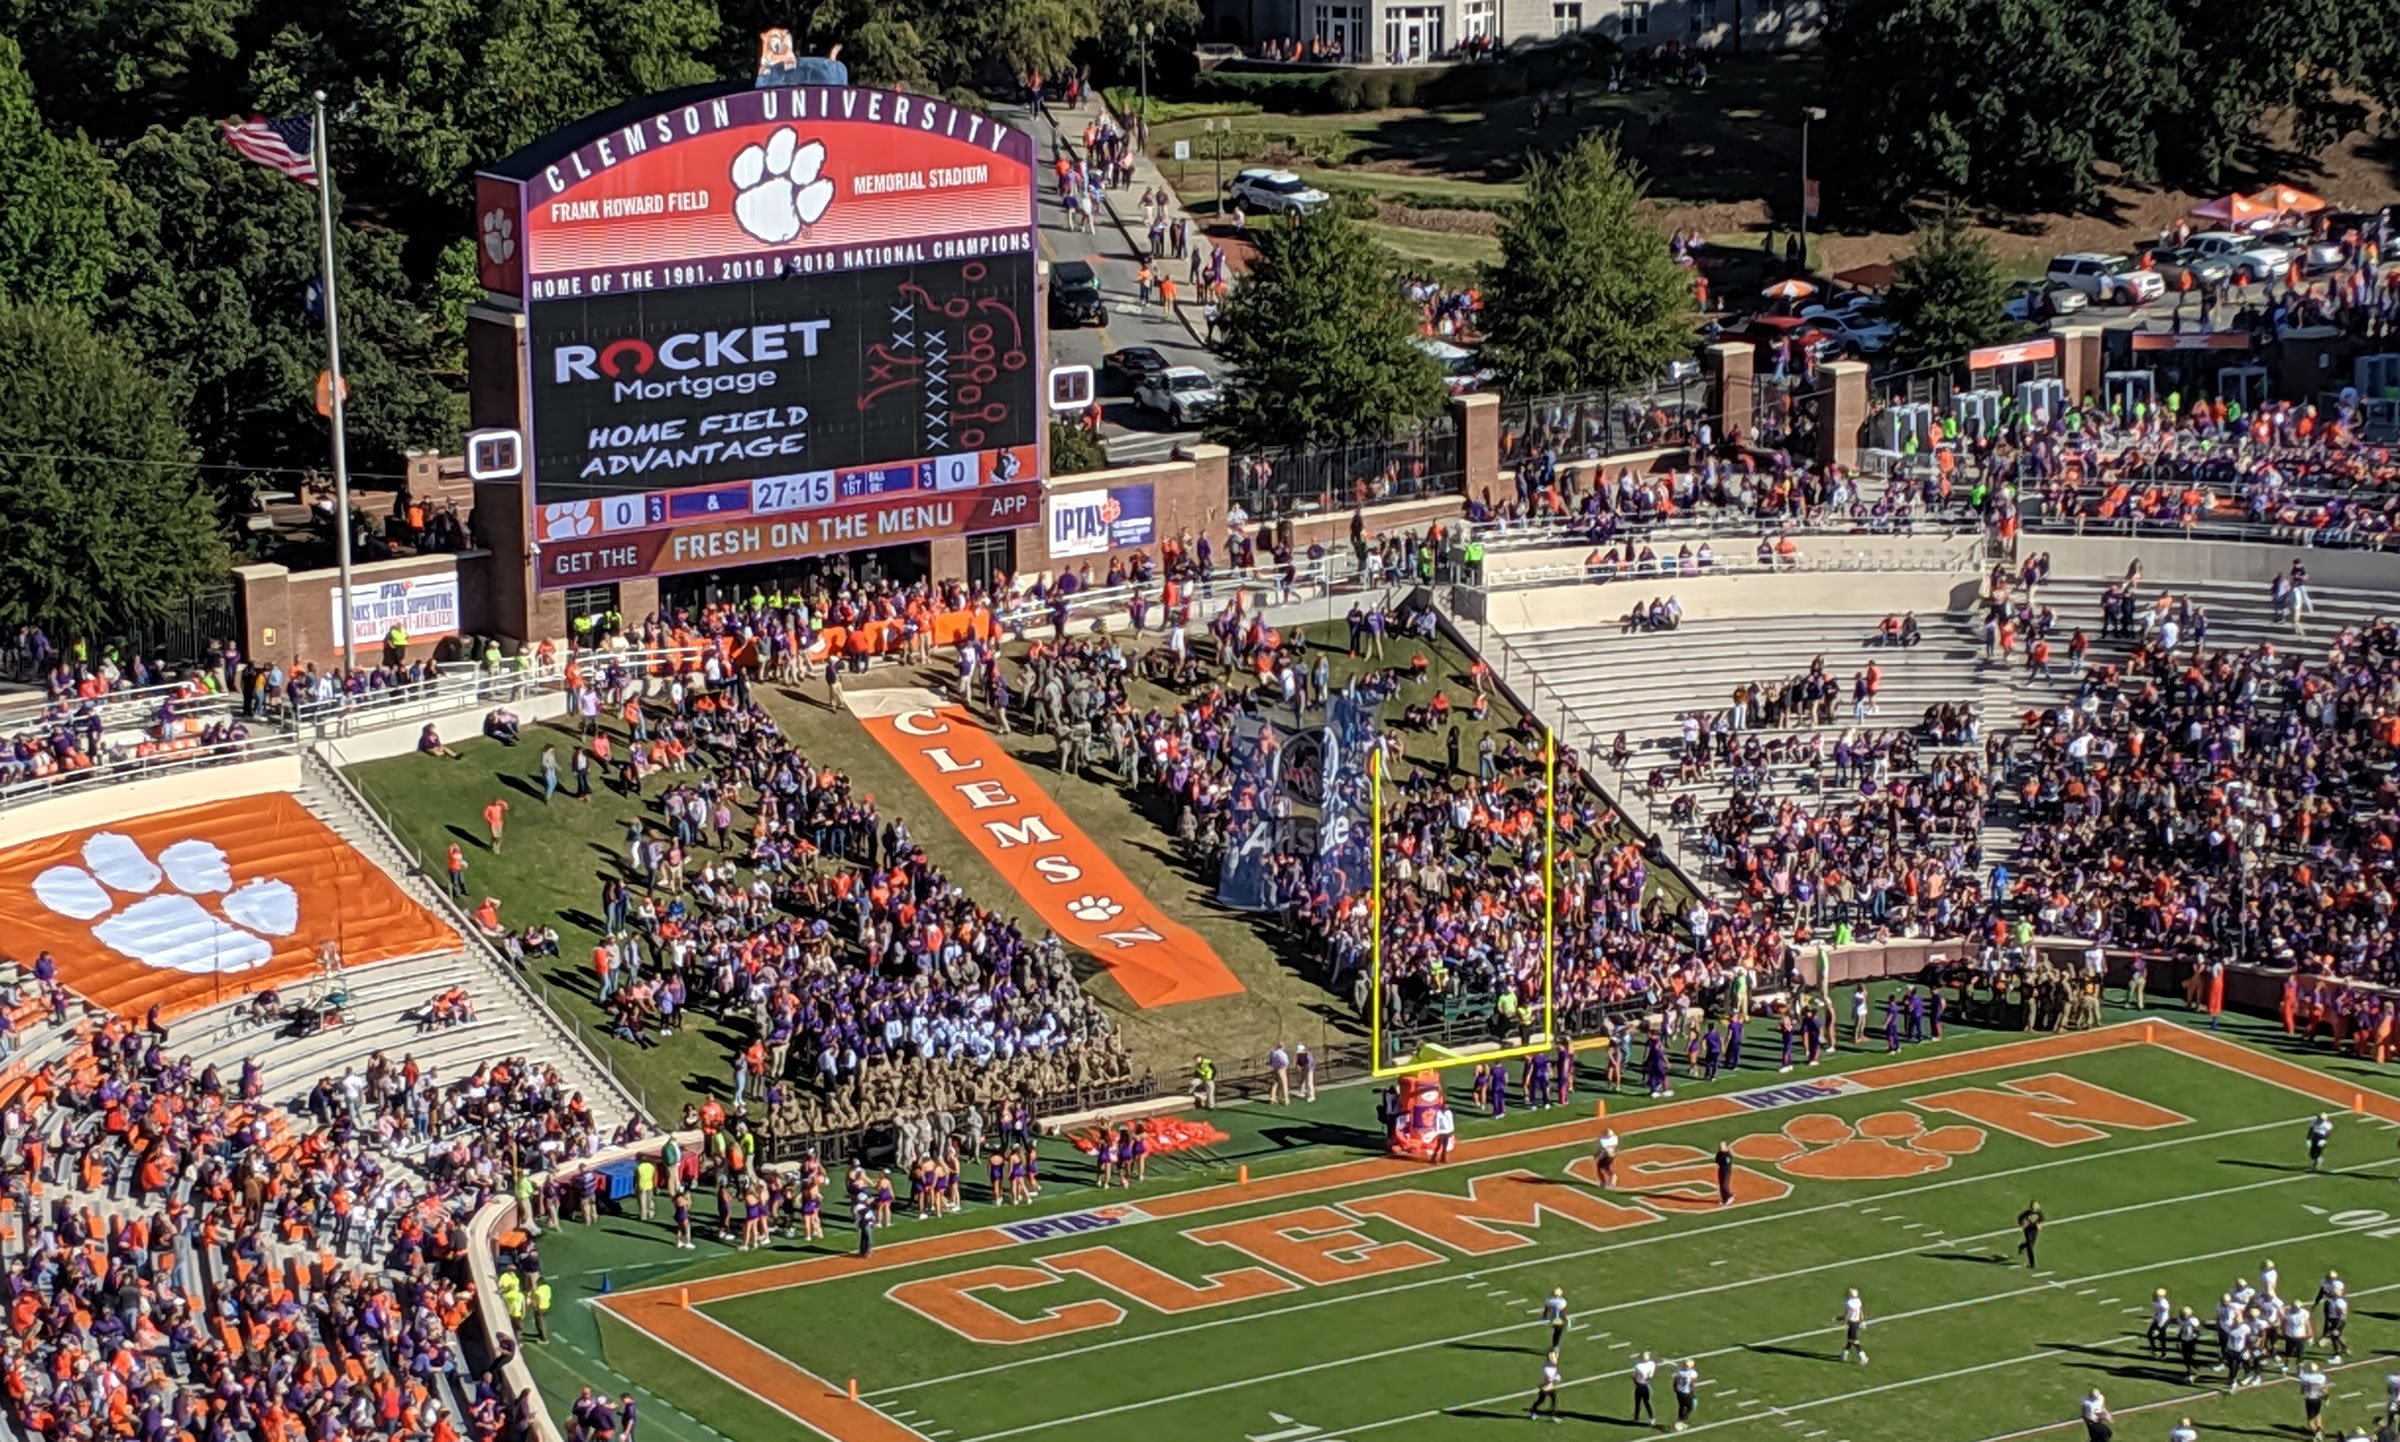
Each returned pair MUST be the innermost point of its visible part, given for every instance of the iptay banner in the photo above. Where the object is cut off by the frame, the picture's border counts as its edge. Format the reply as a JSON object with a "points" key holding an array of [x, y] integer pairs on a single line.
{"points": [[186, 908], [1031, 841]]}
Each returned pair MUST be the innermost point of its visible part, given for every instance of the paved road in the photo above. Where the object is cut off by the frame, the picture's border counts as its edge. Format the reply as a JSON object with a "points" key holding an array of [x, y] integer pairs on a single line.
{"points": [[1132, 435]]}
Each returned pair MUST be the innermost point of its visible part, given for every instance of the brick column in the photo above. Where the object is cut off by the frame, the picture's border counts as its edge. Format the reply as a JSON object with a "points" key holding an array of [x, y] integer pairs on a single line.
{"points": [[263, 597], [2081, 362], [1730, 365], [1478, 418], [1212, 480], [1842, 413]]}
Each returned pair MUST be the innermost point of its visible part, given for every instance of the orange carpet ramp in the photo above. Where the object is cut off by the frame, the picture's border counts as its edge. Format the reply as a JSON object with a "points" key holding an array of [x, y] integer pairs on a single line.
{"points": [[1028, 837], [186, 908]]}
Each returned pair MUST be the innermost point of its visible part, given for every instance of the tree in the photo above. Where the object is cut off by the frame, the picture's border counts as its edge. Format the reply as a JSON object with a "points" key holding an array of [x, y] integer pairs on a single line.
{"points": [[1074, 450], [1585, 296], [59, 203], [1117, 47], [102, 518], [1321, 344], [1948, 295], [1925, 109], [221, 304], [1039, 35]]}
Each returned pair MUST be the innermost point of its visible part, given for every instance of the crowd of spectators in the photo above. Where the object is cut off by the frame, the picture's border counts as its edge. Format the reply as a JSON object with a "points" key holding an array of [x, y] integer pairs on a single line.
{"points": [[1774, 492], [865, 981], [2215, 802], [190, 1263]]}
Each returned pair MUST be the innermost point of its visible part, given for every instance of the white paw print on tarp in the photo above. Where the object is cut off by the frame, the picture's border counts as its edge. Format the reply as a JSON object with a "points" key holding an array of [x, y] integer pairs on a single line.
{"points": [[1094, 909], [777, 188], [170, 929]]}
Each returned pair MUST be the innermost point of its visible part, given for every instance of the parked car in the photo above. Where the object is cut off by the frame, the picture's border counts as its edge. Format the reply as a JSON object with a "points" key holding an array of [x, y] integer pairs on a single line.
{"points": [[1846, 302], [2253, 257], [2315, 254], [1854, 332], [1268, 192], [1183, 394], [1462, 370], [2173, 261], [1124, 370], [2108, 279], [2033, 302], [1075, 295]]}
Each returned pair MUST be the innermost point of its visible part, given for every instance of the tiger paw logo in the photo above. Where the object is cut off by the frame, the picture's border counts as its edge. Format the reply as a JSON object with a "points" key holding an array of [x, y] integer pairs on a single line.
{"points": [[1884, 1147], [151, 910], [566, 520], [499, 236], [777, 189], [1110, 511], [1094, 909]]}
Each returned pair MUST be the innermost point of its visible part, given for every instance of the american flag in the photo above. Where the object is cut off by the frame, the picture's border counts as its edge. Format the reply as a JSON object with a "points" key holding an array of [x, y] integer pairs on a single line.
{"points": [[287, 145]]}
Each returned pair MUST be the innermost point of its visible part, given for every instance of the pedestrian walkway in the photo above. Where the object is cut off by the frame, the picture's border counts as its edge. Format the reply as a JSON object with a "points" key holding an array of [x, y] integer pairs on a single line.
{"points": [[1068, 124]]}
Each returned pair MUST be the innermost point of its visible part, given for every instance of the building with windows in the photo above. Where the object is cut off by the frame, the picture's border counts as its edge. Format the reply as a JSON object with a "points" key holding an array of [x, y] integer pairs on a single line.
{"points": [[1414, 32]]}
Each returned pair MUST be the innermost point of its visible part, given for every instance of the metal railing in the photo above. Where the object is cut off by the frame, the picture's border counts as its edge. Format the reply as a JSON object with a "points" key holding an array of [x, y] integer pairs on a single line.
{"points": [[1589, 425], [269, 743], [452, 686], [2040, 519], [1312, 479], [117, 709], [1711, 522], [1952, 558]]}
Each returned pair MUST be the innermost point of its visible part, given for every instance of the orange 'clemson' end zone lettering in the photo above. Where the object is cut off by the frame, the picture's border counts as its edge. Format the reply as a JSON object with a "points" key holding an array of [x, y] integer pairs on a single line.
{"points": [[1160, 1292], [2052, 1110], [1318, 1245], [1681, 1178], [951, 1302], [1512, 1199]]}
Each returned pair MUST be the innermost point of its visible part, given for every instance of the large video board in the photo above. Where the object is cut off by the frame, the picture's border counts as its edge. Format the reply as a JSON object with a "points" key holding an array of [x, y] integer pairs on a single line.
{"points": [[770, 303]]}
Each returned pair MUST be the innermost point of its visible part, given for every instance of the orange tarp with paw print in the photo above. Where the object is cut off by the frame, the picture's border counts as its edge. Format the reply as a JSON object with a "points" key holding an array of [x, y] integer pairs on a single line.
{"points": [[186, 908]]}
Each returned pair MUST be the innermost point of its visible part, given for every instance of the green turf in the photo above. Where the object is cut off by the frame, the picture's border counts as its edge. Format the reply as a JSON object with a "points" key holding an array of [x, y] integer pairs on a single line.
{"points": [[1966, 1343], [556, 858]]}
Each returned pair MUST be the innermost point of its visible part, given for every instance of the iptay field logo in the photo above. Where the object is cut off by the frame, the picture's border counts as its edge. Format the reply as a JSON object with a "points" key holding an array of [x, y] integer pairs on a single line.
{"points": [[778, 188], [151, 910]]}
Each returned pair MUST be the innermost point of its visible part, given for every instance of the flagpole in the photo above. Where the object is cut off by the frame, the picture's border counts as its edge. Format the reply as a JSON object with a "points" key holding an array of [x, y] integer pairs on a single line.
{"points": [[333, 393]]}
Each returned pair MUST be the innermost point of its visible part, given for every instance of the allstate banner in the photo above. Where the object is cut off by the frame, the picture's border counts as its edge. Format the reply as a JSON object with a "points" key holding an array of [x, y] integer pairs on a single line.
{"points": [[1102, 519], [426, 605]]}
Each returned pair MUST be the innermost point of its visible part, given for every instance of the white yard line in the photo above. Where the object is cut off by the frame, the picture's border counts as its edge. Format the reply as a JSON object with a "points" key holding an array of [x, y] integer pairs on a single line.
{"points": [[1648, 1239]]}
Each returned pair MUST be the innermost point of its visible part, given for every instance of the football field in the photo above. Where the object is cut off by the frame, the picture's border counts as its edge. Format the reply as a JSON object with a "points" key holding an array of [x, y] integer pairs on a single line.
{"points": [[1385, 1298]]}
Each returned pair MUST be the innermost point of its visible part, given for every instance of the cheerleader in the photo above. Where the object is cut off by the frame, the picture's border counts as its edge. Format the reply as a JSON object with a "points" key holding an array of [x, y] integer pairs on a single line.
{"points": [[998, 1172], [946, 1179], [1125, 1156], [1141, 1152], [1615, 1073], [883, 1199], [1106, 1155], [920, 1187], [1017, 1195], [812, 1206], [1033, 1164], [754, 1217]]}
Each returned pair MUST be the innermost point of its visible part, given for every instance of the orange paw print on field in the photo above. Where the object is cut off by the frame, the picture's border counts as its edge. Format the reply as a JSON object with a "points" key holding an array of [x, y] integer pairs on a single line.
{"points": [[1882, 1147]]}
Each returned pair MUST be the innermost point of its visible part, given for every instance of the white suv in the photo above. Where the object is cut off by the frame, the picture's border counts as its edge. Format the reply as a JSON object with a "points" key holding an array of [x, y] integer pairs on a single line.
{"points": [[1266, 192], [2253, 257], [2108, 279]]}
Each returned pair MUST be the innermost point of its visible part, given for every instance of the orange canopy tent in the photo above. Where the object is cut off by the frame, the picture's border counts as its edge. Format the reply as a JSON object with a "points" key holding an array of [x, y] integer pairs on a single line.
{"points": [[2235, 209], [2289, 200]]}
